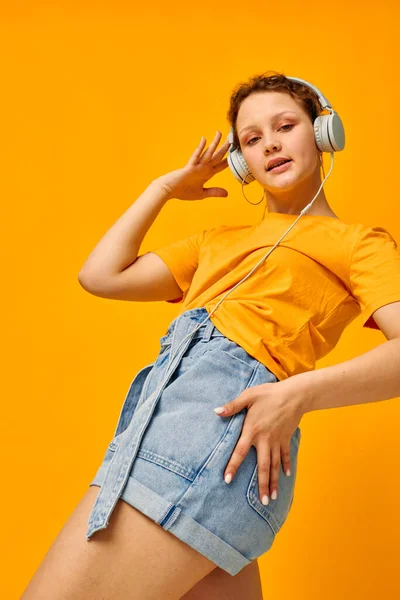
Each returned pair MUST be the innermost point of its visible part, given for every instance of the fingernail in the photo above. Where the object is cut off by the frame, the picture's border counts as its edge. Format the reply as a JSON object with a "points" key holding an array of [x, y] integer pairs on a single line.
{"points": [[274, 495], [264, 500], [288, 472], [219, 410], [228, 478]]}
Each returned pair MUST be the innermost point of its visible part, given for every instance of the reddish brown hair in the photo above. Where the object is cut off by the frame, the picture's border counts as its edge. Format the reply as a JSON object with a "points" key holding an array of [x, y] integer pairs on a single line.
{"points": [[276, 82]]}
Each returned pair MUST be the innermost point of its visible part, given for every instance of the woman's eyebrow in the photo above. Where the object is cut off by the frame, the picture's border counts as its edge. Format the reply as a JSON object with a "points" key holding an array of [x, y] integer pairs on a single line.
{"points": [[274, 118]]}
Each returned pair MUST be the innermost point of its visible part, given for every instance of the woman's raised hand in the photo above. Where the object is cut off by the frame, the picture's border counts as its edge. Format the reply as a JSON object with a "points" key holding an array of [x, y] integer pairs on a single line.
{"points": [[187, 183]]}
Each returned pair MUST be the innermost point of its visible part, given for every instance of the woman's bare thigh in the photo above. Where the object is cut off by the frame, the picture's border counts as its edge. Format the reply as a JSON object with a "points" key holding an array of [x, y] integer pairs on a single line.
{"points": [[219, 585], [132, 558]]}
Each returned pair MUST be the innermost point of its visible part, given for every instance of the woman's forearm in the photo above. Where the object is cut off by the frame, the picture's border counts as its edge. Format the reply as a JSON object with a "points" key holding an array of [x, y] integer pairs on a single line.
{"points": [[120, 245], [370, 377]]}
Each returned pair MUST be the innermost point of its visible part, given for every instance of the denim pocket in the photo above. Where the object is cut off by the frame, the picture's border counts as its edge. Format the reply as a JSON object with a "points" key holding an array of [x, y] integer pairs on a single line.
{"points": [[224, 349], [276, 511]]}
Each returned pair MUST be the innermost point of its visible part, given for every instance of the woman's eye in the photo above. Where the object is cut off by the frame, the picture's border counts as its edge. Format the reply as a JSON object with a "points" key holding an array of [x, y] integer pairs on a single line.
{"points": [[254, 138], [286, 126]]}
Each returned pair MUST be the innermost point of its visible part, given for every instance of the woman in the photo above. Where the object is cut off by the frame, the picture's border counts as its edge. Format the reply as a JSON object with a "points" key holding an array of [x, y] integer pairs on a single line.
{"points": [[170, 452]]}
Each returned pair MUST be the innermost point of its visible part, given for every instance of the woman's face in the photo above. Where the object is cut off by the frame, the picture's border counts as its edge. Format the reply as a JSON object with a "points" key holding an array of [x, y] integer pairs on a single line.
{"points": [[264, 135]]}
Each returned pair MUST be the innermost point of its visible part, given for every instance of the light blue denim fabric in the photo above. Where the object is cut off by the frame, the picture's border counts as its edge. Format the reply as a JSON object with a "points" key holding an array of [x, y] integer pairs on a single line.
{"points": [[170, 449]]}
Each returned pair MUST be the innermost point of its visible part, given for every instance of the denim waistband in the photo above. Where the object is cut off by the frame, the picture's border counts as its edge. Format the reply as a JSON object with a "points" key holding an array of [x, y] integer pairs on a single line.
{"points": [[205, 331]]}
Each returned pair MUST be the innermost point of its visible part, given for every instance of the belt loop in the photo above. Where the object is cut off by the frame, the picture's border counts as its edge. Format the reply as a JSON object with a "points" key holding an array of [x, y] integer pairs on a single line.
{"points": [[208, 330]]}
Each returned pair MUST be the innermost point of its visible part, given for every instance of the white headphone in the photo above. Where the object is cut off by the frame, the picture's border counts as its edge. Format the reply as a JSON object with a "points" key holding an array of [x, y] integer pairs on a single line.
{"points": [[329, 137]]}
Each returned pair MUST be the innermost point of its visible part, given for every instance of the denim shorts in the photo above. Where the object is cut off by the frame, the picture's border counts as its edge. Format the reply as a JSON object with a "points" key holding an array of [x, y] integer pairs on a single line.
{"points": [[170, 449]]}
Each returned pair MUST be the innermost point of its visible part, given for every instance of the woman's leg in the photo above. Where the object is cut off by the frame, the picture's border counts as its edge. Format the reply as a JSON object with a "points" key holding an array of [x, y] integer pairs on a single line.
{"points": [[219, 585], [132, 558]]}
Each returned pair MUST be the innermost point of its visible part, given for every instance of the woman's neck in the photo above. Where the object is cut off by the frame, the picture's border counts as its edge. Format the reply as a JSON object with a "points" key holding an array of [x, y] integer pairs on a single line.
{"points": [[293, 202]]}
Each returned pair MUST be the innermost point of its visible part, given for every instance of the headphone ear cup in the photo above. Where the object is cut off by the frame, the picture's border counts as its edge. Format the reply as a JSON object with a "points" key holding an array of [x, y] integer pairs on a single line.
{"points": [[239, 167], [329, 133]]}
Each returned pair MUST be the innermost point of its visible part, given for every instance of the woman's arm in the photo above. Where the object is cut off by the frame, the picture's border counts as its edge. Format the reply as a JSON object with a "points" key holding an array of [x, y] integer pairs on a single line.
{"points": [[120, 245], [370, 377]]}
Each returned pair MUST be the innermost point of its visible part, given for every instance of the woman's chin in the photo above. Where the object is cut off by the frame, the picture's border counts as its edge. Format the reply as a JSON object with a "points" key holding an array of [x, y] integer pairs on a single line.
{"points": [[280, 181]]}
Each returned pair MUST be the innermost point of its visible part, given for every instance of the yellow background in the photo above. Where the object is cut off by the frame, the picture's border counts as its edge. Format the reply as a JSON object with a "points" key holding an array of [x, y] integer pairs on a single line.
{"points": [[98, 99]]}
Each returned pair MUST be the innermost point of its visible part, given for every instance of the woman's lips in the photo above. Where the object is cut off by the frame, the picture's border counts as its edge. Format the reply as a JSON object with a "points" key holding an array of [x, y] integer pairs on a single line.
{"points": [[281, 168]]}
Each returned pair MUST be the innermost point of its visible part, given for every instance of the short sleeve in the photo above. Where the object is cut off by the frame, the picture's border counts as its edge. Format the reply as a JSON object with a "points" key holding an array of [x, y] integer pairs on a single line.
{"points": [[182, 259], [374, 272]]}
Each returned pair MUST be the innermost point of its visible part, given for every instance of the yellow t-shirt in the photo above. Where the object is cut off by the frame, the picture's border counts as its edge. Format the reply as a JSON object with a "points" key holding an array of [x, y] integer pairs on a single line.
{"points": [[292, 310]]}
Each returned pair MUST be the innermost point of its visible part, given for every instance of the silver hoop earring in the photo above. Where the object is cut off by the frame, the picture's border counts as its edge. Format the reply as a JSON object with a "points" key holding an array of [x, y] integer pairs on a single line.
{"points": [[253, 203], [256, 203]]}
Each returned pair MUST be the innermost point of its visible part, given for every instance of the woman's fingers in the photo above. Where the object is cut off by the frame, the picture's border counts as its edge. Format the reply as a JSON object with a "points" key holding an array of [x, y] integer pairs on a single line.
{"points": [[285, 453], [275, 468], [263, 470], [221, 165], [269, 464], [194, 159], [208, 154], [220, 153], [241, 450]]}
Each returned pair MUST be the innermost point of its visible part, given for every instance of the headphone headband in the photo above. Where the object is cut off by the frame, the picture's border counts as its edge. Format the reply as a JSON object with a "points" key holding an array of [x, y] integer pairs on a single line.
{"points": [[323, 101]]}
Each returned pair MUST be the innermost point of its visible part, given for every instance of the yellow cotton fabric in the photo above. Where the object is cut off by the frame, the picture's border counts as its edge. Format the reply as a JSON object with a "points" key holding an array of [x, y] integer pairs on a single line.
{"points": [[292, 310]]}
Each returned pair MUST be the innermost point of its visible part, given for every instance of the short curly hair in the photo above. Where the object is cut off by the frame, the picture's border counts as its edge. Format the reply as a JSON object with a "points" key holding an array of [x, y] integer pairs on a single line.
{"points": [[276, 82]]}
